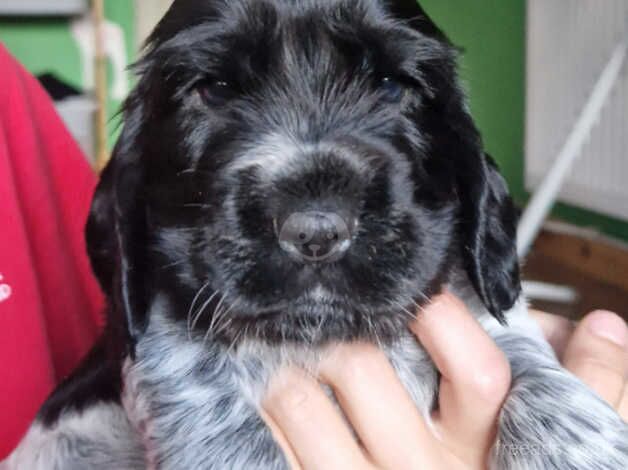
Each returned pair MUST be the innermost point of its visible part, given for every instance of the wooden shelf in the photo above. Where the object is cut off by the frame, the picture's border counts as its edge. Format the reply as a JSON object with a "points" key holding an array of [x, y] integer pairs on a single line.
{"points": [[42, 7]]}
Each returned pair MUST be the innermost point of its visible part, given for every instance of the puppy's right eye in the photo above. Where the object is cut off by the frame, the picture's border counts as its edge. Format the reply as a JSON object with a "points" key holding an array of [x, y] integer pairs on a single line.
{"points": [[392, 90], [216, 92]]}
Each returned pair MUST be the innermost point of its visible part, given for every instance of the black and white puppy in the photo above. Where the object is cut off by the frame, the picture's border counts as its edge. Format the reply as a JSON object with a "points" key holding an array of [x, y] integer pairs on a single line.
{"points": [[294, 173]]}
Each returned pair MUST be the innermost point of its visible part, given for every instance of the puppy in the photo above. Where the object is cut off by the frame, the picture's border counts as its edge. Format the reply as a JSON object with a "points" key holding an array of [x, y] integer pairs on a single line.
{"points": [[295, 173]]}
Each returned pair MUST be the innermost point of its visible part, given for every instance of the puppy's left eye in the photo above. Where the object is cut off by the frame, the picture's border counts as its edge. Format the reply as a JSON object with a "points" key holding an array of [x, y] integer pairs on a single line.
{"points": [[392, 90], [216, 92]]}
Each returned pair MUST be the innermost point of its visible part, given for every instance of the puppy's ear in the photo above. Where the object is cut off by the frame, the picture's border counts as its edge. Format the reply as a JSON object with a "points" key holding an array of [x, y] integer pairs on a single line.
{"points": [[488, 236], [115, 232], [414, 14], [456, 165]]}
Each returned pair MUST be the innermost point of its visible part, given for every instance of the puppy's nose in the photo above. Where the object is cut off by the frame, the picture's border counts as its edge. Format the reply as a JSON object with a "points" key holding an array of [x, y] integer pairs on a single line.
{"points": [[315, 237]]}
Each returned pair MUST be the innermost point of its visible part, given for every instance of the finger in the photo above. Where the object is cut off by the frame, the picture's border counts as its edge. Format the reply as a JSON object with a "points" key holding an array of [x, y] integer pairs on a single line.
{"points": [[557, 330], [313, 427], [379, 408], [281, 441], [597, 354], [622, 409], [475, 376]]}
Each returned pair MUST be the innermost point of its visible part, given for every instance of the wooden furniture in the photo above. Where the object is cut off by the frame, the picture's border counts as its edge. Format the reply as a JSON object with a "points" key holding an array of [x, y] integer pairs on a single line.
{"points": [[594, 265]]}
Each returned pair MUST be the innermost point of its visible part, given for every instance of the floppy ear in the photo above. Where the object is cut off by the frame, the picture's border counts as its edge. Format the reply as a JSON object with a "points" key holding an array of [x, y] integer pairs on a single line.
{"points": [[115, 233], [488, 217], [116, 230], [489, 220], [414, 14], [457, 163]]}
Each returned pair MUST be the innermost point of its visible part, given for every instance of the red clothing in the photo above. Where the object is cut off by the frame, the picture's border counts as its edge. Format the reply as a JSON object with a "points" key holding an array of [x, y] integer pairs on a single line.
{"points": [[50, 304]]}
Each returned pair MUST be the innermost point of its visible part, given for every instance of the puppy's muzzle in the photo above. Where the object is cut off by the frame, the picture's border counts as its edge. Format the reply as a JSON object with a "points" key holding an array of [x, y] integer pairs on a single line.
{"points": [[316, 205]]}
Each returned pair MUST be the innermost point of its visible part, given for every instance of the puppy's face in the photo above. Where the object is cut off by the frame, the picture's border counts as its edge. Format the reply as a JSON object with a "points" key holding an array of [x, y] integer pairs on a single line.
{"points": [[293, 171]]}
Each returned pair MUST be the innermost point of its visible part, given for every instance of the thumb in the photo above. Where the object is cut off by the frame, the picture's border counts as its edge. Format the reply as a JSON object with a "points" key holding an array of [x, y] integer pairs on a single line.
{"points": [[598, 354]]}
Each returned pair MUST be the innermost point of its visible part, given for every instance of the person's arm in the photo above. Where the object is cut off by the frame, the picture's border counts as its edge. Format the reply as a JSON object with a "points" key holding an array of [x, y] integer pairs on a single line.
{"points": [[50, 303], [475, 382]]}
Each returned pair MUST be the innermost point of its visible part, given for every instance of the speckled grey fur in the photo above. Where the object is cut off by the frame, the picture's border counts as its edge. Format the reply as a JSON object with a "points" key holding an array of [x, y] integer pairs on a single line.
{"points": [[194, 404], [101, 438], [551, 420]]}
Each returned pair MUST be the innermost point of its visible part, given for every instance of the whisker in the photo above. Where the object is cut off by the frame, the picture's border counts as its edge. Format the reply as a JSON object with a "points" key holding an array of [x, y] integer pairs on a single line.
{"points": [[235, 340], [419, 307], [171, 265], [202, 309], [223, 327], [374, 332], [223, 315], [319, 328], [193, 304], [193, 171], [217, 312], [405, 310], [197, 206], [425, 297]]}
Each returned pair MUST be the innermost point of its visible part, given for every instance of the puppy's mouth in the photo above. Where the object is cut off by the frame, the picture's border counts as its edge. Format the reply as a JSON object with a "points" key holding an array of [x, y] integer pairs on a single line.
{"points": [[316, 319]]}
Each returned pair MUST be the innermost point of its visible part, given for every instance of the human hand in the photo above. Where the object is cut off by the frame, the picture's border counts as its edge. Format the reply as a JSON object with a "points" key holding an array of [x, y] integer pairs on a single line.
{"points": [[314, 435], [595, 350], [392, 432]]}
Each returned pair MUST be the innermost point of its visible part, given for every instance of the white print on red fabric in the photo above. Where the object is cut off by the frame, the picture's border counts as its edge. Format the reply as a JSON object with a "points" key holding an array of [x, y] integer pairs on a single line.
{"points": [[5, 290]]}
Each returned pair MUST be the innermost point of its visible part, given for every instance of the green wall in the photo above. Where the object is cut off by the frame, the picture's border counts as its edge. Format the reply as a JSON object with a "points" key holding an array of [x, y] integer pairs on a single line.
{"points": [[491, 33], [492, 36], [46, 45]]}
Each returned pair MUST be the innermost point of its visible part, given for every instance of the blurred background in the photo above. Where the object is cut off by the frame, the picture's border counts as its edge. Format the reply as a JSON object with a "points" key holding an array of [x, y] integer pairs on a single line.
{"points": [[530, 68]]}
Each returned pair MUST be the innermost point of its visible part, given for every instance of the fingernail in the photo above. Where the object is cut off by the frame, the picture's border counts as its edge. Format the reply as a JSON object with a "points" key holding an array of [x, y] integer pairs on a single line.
{"points": [[609, 326]]}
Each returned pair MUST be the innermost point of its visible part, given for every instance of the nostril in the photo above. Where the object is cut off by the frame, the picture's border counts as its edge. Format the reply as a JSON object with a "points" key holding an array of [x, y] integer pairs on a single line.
{"points": [[315, 236]]}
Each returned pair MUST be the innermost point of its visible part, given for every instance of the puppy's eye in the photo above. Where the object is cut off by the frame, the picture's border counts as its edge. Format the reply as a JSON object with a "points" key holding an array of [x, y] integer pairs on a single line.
{"points": [[392, 90], [216, 92]]}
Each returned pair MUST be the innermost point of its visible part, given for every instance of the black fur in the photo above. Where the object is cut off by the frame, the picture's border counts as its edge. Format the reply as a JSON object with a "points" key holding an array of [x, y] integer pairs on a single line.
{"points": [[169, 171], [179, 213]]}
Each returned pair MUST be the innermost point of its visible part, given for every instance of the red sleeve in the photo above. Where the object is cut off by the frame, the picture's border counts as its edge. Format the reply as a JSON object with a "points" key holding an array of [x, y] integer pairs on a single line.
{"points": [[50, 305]]}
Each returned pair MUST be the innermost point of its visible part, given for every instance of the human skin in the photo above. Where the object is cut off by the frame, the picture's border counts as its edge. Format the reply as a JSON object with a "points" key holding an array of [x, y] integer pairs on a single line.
{"points": [[475, 381]]}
